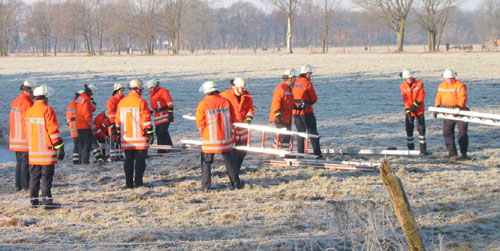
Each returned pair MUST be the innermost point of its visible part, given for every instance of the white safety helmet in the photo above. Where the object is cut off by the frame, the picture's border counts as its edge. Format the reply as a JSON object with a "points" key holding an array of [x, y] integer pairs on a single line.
{"points": [[117, 86], [40, 91], [29, 83], [135, 83], [80, 91], [407, 73], [240, 82], [290, 73], [152, 83], [449, 73], [208, 87], [92, 88], [306, 68]]}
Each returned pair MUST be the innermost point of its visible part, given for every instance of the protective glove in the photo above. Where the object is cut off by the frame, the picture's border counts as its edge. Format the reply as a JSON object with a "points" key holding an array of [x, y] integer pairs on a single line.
{"points": [[414, 106], [407, 111], [59, 146], [170, 116], [151, 135], [278, 116], [248, 120], [118, 136]]}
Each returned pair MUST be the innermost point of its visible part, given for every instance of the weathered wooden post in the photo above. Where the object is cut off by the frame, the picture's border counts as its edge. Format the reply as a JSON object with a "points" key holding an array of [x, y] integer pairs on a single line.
{"points": [[401, 206]]}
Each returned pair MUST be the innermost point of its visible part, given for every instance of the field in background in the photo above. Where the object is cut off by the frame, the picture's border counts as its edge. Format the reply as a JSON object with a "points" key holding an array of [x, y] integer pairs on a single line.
{"points": [[456, 202]]}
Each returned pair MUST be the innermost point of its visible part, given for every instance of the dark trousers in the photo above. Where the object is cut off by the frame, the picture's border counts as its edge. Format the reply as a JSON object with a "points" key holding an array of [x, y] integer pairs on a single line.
{"points": [[284, 139], [135, 160], [85, 139], [163, 136], [206, 174], [239, 155], [22, 171], [41, 176], [409, 123], [449, 136], [76, 155], [303, 123]]}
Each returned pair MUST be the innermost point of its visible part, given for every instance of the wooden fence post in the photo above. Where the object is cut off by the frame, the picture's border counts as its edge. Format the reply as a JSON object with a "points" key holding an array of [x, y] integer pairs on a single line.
{"points": [[401, 206]]}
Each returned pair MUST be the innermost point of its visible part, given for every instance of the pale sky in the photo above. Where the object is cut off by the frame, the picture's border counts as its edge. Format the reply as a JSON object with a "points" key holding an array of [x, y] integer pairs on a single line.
{"points": [[468, 4]]}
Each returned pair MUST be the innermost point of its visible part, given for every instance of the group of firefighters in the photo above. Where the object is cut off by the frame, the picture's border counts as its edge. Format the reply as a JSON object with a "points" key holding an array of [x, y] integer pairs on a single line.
{"points": [[127, 125]]}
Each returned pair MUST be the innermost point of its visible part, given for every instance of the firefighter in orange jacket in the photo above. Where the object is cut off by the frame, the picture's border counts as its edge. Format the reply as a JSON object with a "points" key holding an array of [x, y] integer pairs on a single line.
{"points": [[214, 118], [100, 133], [17, 136], [413, 93], [452, 94], [133, 122], [163, 112], [281, 107], [84, 109], [111, 106], [304, 96], [45, 148], [242, 102], [71, 120]]}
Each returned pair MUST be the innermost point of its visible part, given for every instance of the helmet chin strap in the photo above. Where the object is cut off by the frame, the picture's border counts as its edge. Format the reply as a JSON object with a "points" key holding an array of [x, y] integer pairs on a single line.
{"points": [[237, 92]]}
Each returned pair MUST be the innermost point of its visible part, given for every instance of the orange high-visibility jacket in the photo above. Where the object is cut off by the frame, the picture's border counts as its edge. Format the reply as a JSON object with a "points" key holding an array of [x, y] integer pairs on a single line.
{"points": [[42, 133], [214, 118], [111, 106], [71, 118], [101, 123], [17, 136], [161, 102], [84, 111], [303, 90], [450, 95], [133, 118], [283, 101], [243, 107], [413, 93]]}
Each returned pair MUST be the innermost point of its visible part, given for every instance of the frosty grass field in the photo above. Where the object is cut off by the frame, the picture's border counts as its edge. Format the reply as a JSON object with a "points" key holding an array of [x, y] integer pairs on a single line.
{"points": [[455, 202]]}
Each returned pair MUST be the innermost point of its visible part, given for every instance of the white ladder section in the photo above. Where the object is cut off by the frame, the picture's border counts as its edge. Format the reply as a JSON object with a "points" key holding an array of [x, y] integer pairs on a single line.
{"points": [[466, 116]]}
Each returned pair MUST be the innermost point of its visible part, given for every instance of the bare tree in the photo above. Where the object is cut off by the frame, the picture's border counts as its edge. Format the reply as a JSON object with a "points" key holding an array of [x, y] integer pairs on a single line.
{"points": [[39, 20], [147, 15], [490, 17], [328, 7], [120, 27], [173, 15], [394, 13], [432, 15], [289, 7], [10, 14]]}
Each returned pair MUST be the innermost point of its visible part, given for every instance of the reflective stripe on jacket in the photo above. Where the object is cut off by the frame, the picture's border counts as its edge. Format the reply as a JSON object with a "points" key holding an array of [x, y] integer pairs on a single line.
{"points": [[303, 90], [450, 95], [242, 108], [214, 118], [71, 118], [161, 101], [133, 118], [412, 94], [283, 101], [84, 111], [17, 134], [111, 106], [102, 123], [42, 133]]}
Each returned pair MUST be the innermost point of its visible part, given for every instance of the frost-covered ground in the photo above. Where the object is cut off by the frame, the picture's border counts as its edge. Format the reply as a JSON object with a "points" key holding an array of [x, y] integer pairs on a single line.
{"points": [[360, 107]]}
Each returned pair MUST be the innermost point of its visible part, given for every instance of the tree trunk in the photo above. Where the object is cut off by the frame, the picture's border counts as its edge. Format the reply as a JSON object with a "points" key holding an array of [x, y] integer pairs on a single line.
{"points": [[55, 47], [325, 41], [432, 40], [401, 35], [440, 35], [289, 34]]}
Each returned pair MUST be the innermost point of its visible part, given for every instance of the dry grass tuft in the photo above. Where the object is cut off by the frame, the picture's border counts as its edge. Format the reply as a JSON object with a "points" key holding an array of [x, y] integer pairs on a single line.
{"points": [[14, 222]]}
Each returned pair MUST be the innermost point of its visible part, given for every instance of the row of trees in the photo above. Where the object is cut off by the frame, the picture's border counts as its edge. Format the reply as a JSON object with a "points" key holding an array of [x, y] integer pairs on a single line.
{"points": [[111, 26]]}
